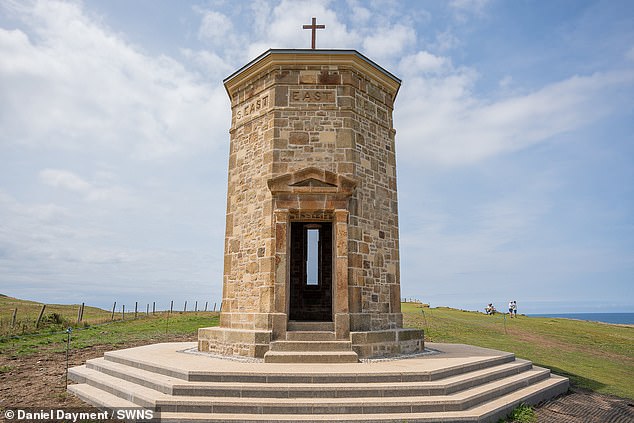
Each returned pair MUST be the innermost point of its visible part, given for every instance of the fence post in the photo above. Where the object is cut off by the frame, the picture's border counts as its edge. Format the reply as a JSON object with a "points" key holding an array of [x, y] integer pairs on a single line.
{"points": [[185, 308], [215, 306], [68, 331], [136, 309], [39, 318], [206, 303], [153, 307], [113, 307], [147, 309], [167, 320], [15, 315], [123, 312], [196, 306]]}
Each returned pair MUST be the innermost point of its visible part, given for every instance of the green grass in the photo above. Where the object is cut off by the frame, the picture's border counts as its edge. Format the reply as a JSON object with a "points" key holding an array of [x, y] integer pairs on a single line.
{"points": [[595, 356], [151, 329], [28, 312], [523, 414]]}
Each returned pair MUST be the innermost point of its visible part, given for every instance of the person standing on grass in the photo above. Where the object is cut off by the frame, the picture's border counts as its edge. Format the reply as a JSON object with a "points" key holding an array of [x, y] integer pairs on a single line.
{"points": [[515, 308], [511, 309]]}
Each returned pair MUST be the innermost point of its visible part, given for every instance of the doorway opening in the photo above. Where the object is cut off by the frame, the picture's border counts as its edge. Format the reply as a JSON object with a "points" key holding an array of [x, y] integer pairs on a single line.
{"points": [[311, 265]]}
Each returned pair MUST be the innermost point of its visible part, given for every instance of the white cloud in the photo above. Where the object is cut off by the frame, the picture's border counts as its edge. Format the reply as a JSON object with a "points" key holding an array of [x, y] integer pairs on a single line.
{"points": [[261, 11], [440, 119], [446, 40], [69, 81], [506, 81], [285, 29], [215, 27], [209, 63], [65, 179], [360, 14], [389, 41], [423, 62], [95, 254], [463, 9]]}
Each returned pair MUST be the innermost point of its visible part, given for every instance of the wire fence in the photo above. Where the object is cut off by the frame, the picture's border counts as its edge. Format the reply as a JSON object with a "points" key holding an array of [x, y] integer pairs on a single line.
{"points": [[34, 318]]}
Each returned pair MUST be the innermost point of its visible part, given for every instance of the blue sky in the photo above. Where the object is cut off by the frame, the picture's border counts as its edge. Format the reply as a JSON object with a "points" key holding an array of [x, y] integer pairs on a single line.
{"points": [[515, 144]]}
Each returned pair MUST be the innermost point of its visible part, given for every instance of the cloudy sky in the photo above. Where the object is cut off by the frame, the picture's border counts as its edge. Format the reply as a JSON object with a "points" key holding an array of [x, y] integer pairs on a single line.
{"points": [[515, 144]]}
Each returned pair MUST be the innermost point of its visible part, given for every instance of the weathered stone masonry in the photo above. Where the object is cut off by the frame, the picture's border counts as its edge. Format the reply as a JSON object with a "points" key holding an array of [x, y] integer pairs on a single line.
{"points": [[312, 138]]}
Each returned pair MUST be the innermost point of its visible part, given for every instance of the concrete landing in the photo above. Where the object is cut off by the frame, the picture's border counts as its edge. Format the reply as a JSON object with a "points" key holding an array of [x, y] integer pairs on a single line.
{"points": [[458, 383]]}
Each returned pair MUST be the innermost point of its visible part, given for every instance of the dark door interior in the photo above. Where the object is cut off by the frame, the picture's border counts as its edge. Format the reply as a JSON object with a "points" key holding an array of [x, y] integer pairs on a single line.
{"points": [[311, 271]]}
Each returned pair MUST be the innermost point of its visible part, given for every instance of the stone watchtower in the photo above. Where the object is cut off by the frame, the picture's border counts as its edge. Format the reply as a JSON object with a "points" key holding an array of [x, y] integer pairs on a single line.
{"points": [[312, 243]]}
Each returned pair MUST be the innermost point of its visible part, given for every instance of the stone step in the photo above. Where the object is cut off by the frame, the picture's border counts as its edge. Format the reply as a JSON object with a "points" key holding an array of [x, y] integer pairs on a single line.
{"points": [[311, 357], [310, 336], [122, 358], [141, 358], [138, 395], [310, 346], [488, 412], [147, 397], [493, 410], [173, 386], [98, 397], [294, 325], [458, 383], [156, 381]]}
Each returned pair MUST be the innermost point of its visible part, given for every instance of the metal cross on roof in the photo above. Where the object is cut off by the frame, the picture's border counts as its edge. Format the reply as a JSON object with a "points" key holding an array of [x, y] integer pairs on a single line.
{"points": [[313, 27]]}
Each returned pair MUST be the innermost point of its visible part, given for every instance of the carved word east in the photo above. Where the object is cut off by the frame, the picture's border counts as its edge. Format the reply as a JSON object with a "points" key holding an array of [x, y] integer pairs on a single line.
{"points": [[252, 107], [313, 96]]}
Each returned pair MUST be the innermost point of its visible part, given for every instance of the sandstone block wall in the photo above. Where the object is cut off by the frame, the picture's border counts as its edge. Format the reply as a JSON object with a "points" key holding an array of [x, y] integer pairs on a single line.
{"points": [[330, 111]]}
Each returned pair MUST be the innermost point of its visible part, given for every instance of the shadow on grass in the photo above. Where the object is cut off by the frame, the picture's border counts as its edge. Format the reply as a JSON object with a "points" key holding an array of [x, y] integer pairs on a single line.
{"points": [[576, 381]]}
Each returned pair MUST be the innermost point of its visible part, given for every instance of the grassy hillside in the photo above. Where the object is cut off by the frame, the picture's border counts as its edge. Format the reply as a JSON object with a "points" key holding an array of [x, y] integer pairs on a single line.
{"points": [[28, 312], [161, 327], [593, 355]]}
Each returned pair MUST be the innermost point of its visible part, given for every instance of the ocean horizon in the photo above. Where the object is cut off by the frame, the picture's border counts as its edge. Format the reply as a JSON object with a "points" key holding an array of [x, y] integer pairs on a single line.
{"points": [[614, 318]]}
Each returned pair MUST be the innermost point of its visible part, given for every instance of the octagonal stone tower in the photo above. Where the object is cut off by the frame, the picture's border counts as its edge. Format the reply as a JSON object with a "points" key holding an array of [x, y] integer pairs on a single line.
{"points": [[312, 240]]}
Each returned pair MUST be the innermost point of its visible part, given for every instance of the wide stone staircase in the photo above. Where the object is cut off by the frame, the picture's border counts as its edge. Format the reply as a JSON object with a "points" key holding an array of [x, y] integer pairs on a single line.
{"points": [[456, 383], [310, 342]]}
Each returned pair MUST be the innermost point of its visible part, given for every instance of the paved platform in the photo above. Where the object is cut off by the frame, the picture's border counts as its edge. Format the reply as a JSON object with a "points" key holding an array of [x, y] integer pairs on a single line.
{"points": [[458, 383], [580, 406], [174, 356]]}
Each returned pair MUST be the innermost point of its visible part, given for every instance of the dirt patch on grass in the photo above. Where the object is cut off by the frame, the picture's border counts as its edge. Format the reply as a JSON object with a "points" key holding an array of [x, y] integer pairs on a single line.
{"points": [[543, 341], [38, 380], [547, 342]]}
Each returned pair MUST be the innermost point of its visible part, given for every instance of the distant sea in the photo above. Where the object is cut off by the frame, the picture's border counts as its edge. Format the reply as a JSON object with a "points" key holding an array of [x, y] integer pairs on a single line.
{"points": [[619, 318]]}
